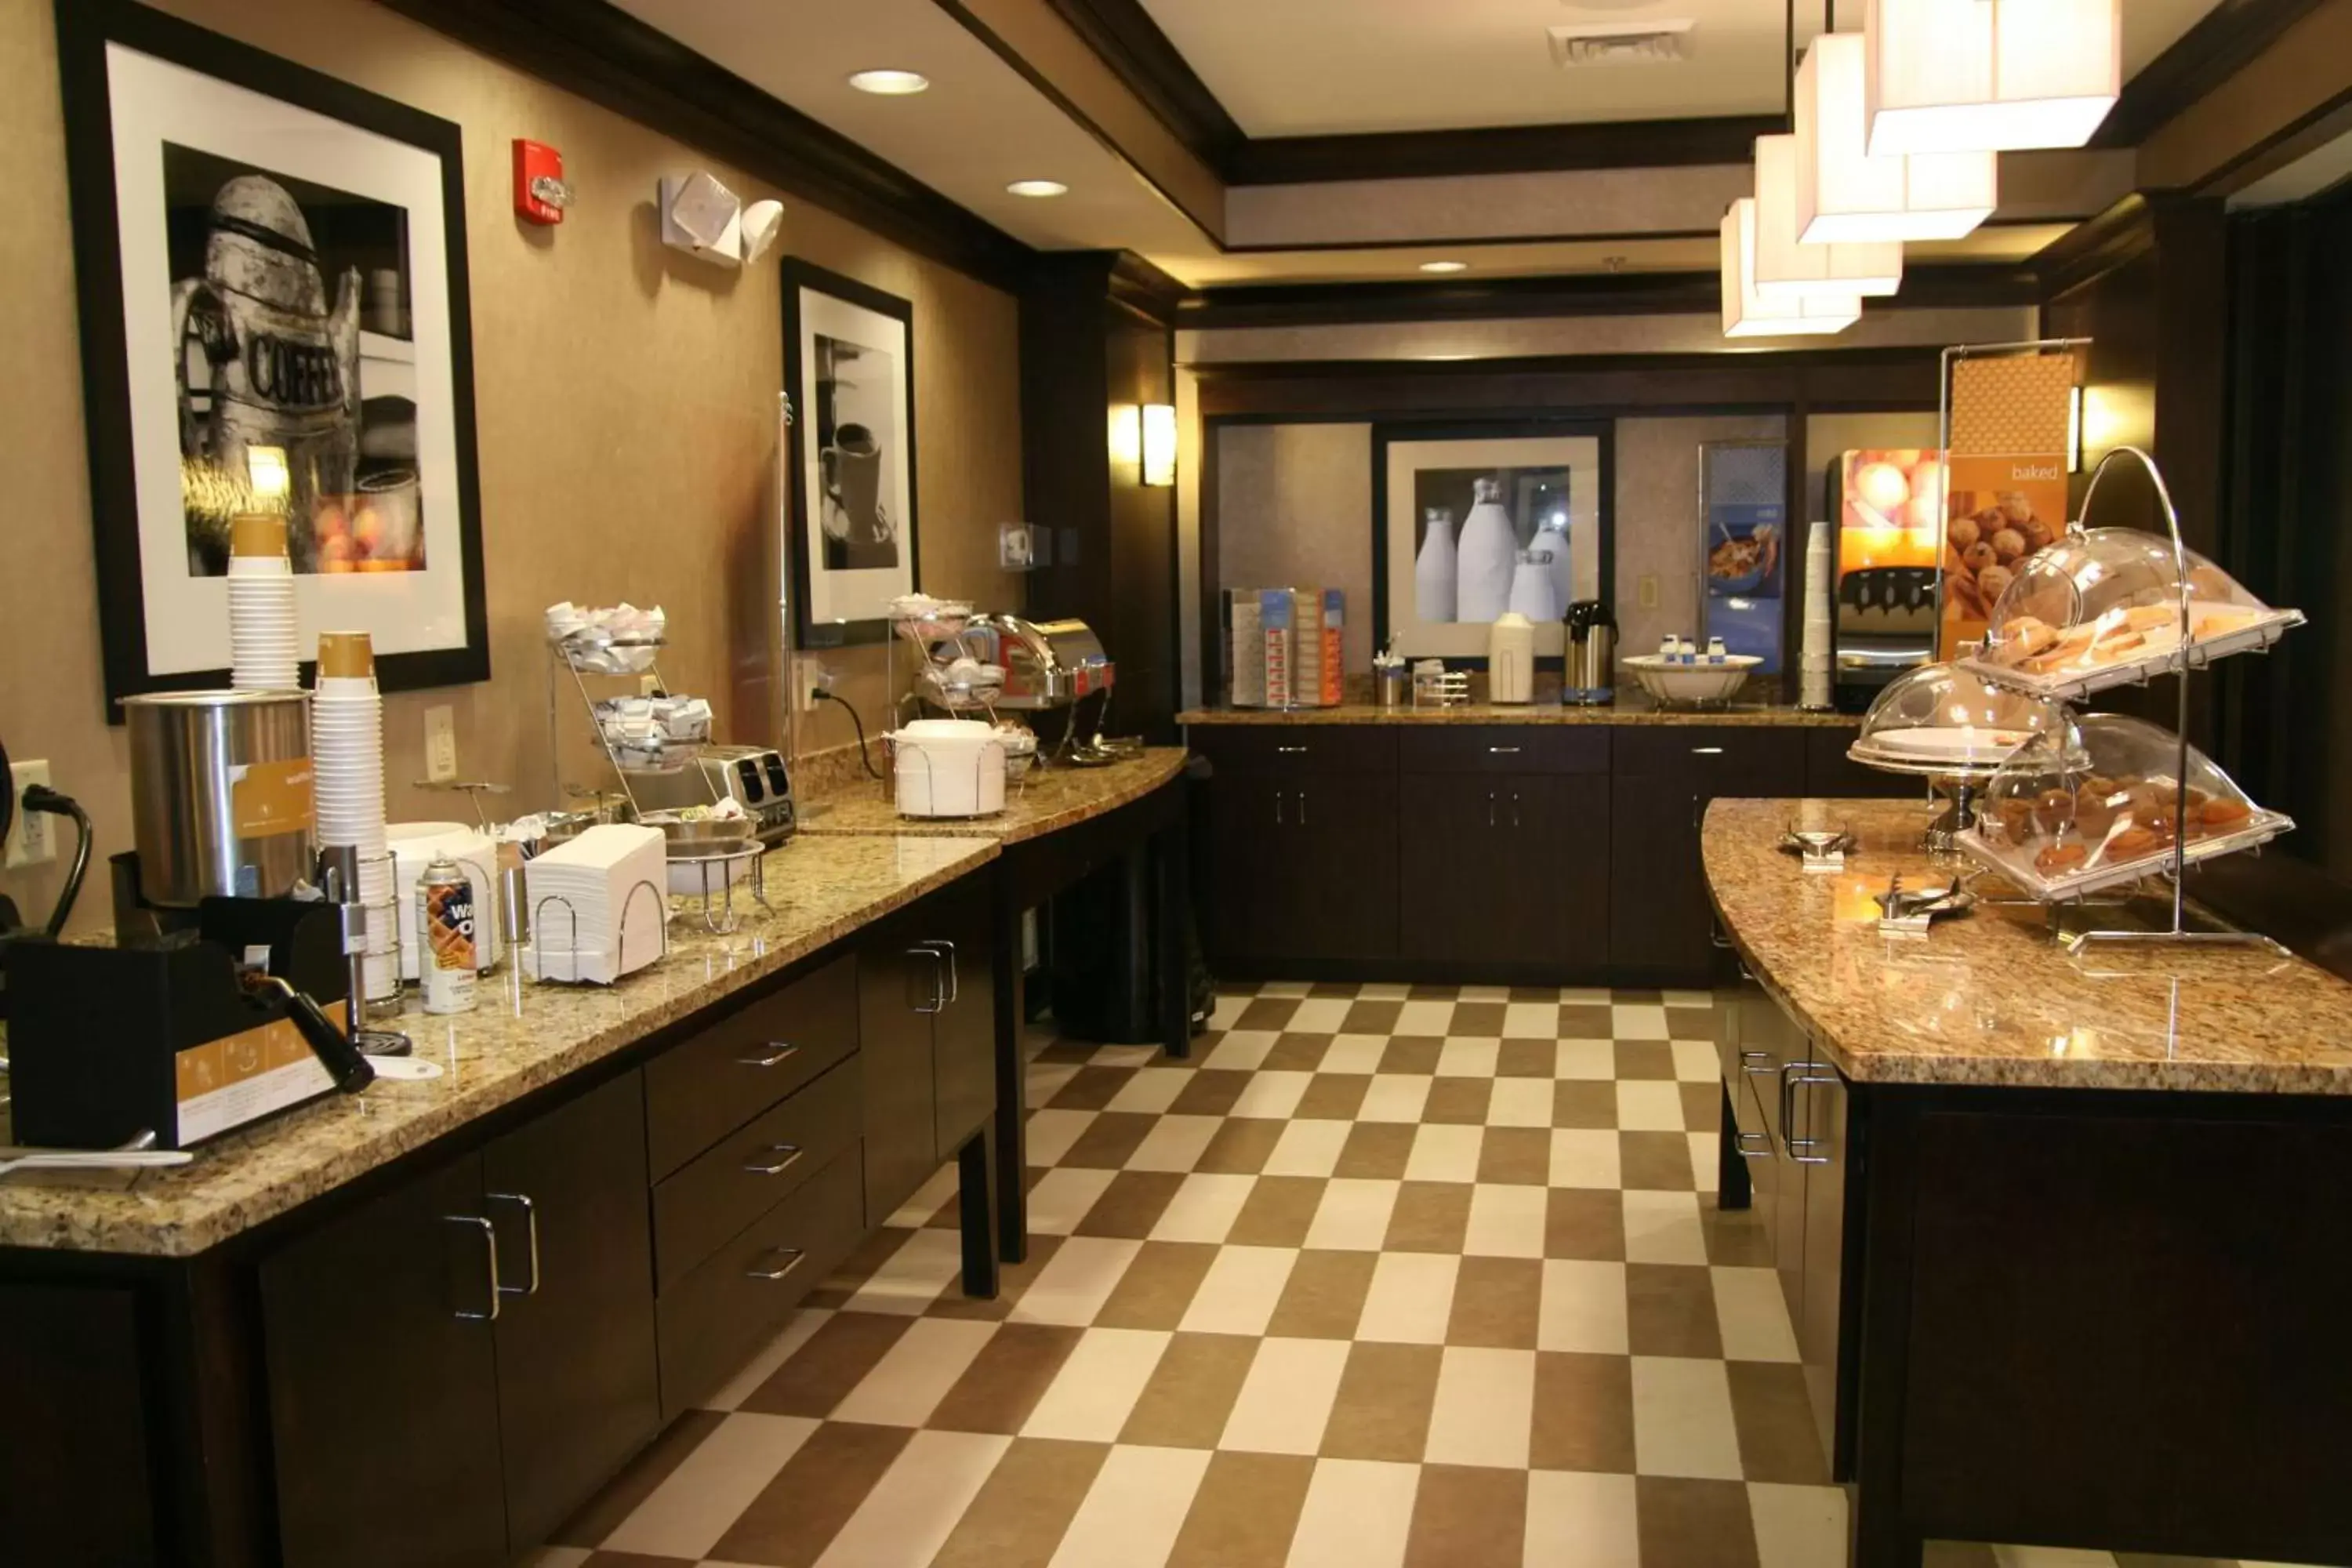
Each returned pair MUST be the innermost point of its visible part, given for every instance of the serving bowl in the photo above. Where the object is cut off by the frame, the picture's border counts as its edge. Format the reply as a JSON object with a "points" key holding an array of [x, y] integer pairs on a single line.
{"points": [[1696, 685]]}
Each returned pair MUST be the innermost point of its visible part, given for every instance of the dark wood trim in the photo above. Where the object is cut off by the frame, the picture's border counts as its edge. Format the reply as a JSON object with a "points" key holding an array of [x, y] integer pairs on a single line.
{"points": [[1500, 149], [1139, 286], [2216, 48], [1122, 33], [605, 55], [2091, 250]]}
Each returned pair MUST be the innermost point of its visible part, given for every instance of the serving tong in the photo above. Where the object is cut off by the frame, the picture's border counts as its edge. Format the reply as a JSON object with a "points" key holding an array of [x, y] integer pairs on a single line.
{"points": [[138, 1154], [1822, 849], [1904, 913]]}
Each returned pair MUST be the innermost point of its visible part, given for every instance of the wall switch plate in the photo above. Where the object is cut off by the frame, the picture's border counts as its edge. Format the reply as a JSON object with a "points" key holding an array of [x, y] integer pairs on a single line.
{"points": [[441, 744], [32, 839], [1016, 546], [1646, 590]]}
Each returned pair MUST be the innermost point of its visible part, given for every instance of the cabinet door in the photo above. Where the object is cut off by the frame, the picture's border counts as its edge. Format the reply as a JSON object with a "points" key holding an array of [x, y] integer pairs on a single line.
{"points": [[1243, 875], [1337, 869], [963, 1032], [1504, 872], [897, 981], [384, 1402], [578, 1388], [1659, 918], [1822, 1117]]}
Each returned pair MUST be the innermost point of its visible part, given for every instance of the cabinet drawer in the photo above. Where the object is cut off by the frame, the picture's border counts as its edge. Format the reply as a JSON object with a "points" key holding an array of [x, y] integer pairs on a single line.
{"points": [[715, 1318], [1719, 759], [706, 1086], [1296, 749], [719, 1193], [1503, 749]]}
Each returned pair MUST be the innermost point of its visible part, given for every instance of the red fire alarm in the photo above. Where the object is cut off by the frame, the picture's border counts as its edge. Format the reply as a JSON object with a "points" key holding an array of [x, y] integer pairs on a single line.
{"points": [[539, 194]]}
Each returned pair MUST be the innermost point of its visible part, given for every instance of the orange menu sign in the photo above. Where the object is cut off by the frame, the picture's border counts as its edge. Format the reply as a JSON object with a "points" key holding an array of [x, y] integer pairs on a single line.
{"points": [[2008, 481]]}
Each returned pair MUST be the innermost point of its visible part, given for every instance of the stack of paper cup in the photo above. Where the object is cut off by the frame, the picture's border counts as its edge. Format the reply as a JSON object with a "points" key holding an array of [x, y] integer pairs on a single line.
{"points": [[263, 654], [347, 765], [1821, 606]]}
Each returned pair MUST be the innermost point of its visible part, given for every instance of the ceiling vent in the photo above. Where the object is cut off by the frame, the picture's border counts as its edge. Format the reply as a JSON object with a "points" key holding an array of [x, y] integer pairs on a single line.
{"points": [[1621, 43]]}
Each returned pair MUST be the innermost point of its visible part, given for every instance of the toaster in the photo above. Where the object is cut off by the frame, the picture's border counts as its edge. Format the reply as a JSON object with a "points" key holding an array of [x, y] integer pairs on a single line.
{"points": [[754, 775]]}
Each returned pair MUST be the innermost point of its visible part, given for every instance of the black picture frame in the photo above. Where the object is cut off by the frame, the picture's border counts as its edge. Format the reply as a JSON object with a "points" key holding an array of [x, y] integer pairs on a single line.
{"points": [[1388, 433], [796, 275], [84, 29]]}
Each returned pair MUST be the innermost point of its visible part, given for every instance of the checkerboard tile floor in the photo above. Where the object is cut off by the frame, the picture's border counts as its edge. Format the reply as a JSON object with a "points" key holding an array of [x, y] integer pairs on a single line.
{"points": [[1382, 1276]]}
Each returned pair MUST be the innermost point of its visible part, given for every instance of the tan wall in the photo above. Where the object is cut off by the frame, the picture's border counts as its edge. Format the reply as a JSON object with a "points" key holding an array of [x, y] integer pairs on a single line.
{"points": [[625, 395], [1295, 510], [1657, 520]]}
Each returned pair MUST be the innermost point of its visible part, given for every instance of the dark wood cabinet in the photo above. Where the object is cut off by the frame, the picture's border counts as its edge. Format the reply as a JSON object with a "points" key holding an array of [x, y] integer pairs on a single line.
{"points": [[1831, 775], [1506, 871], [927, 1017], [1304, 869], [963, 1029], [1818, 1101]]}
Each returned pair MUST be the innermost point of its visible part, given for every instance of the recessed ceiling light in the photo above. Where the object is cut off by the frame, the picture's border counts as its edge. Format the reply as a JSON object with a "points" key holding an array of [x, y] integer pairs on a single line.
{"points": [[890, 83], [1444, 265], [1038, 188]]}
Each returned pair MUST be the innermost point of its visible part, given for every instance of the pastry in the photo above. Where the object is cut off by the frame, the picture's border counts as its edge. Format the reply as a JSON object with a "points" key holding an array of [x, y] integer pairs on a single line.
{"points": [[2148, 617], [2015, 508], [2037, 534], [2007, 545], [1993, 581], [2220, 813], [2134, 842], [2094, 813], [1979, 556], [2016, 818], [2055, 859], [2053, 811], [2028, 636], [1963, 532]]}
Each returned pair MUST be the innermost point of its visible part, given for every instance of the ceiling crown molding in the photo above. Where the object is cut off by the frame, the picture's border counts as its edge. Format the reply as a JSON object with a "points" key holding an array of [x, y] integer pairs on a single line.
{"points": [[2218, 45], [1131, 44]]}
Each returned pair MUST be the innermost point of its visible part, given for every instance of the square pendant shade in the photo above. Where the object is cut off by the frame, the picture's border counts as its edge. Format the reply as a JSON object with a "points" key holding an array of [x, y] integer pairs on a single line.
{"points": [[1785, 267], [1845, 196], [1746, 314], [1988, 76]]}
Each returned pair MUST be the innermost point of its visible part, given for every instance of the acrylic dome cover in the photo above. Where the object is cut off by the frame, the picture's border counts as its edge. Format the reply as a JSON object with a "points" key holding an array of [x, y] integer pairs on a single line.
{"points": [[1947, 721]]}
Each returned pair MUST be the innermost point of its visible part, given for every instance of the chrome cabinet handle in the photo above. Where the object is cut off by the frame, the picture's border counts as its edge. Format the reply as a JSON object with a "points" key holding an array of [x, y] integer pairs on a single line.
{"points": [[790, 1153], [1302, 809], [1490, 808], [491, 1248], [1793, 1077], [939, 977], [1514, 809], [1290, 750], [530, 1231], [794, 1253], [1277, 807], [778, 1054], [1748, 1060], [1715, 936], [1739, 1145], [1503, 750], [941, 945], [1707, 750]]}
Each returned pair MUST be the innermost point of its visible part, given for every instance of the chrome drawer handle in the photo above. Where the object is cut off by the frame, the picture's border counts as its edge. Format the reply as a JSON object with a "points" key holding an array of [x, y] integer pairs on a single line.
{"points": [[1290, 750], [1749, 1060], [1707, 750], [794, 1253], [778, 1054], [790, 1153], [531, 1230], [491, 1246], [1502, 751], [1739, 1145]]}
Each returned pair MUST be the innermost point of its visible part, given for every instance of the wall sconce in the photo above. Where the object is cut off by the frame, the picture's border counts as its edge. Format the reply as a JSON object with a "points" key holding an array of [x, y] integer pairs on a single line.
{"points": [[2074, 429], [1159, 454], [1127, 435]]}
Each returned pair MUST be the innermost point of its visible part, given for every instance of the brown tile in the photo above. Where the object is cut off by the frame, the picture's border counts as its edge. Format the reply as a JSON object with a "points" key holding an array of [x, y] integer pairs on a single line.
{"points": [[1109, 1140], [1027, 1502], [1694, 1023], [1778, 1440], [1297, 1053], [1064, 1053], [1655, 1163], [1324, 1296], [1468, 1517], [1335, 990], [797, 1514], [1476, 1021], [1587, 1021], [1534, 994], [1580, 1102], [1645, 1059], [1427, 991], [634, 1560], [1133, 1203], [1267, 1012], [1735, 1238], [1158, 1286], [1702, 1106], [1277, 1212], [604, 1513], [1637, 994], [1964, 1555], [1371, 1019], [820, 1374], [1240, 1147], [1526, 1059], [1377, 1150], [1013, 1282], [1091, 1089], [1210, 1092], [1515, 1157], [1670, 1311], [1584, 1413], [1429, 1217], [1460, 1101], [856, 1268], [2145, 1560], [1382, 1408], [1497, 1302], [1413, 1055], [1332, 1097], [1005, 1381], [1584, 1223], [1245, 1512], [1192, 1391], [1695, 1524]]}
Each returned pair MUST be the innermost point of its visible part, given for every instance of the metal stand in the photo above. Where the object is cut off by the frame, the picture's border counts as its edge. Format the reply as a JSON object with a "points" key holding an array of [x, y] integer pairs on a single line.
{"points": [[537, 960], [565, 657]]}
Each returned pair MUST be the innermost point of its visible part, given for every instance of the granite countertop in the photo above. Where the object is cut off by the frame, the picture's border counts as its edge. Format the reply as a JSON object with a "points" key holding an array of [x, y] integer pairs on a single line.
{"points": [[1991, 998], [1630, 712], [523, 1036], [1039, 802]]}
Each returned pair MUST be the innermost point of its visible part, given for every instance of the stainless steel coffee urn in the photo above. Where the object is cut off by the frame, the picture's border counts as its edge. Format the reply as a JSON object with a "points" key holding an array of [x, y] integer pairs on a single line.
{"points": [[220, 794], [1591, 668]]}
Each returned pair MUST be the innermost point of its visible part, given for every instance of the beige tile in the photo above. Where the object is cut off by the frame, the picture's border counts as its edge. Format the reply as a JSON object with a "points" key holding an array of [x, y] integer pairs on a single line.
{"points": [[1591, 1061], [1752, 1315], [1358, 1515], [1072, 1287], [1664, 1228], [1797, 1527], [1095, 1393], [1000, 1391], [1062, 1197], [1695, 1523], [1356, 1053], [1174, 1144], [1519, 1102], [1239, 1050], [1137, 1503], [1778, 1438], [1431, 1216], [687, 1514], [797, 1515], [1583, 1413], [1239, 1293], [1584, 1307], [1050, 1133], [1204, 1207], [835, 1359], [1394, 1097], [1682, 1419], [761, 1367], [1241, 1148], [1279, 1213], [1704, 1159], [1131, 1206], [1287, 1398], [1017, 1519], [1532, 1021], [1695, 1062], [927, 1199], [1468, 1517], [1671, 1310], [1483, 1409], [1151, 1090], [1157, 1288], [621, 1496], [1324, 1298], [1590, 1520], [1125, 1055], [1648, 1106], [1192, 1391], [1306, 1148], [1352, 1216], [1320, 1016], [2054, 1557], [1517, 1156], [1655, 1162], [1505, 1222], [1469, 1057], [911, 1512], [1446, 1155], [911, 1278], [1497, 1302], [1244, 1513], [916, 1373], [1637, 1022], [1585, 1222], [1381, 1411], [1411, 1300], [1424, 1018], [1379, 1149], [1583, 1157], [1228, 1010], [1271, 1095]]}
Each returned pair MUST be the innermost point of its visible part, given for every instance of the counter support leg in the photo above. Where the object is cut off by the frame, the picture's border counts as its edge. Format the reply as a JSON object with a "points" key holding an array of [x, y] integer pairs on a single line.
{"points": [[1012, 1130], [1880, 1539], [1172, 925], [1733, 1189], [976, 1211]]}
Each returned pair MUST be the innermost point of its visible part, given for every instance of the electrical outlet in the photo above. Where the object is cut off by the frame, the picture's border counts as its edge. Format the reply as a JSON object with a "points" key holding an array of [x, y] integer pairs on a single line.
{"points": [[32, 833], [649, 684], [1646, 590], [810, 676], [441, 745]]}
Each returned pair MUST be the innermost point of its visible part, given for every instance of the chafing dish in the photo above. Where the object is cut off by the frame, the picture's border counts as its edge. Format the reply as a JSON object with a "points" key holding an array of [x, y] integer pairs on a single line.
{"points": [[1046, 664]]}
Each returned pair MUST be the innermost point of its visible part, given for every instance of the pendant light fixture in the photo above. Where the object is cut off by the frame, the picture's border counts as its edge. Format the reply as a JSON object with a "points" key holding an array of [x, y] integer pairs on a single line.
{"points": [[1845, 196], [1748, 314], [1788, 268], [1988, 76]]}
